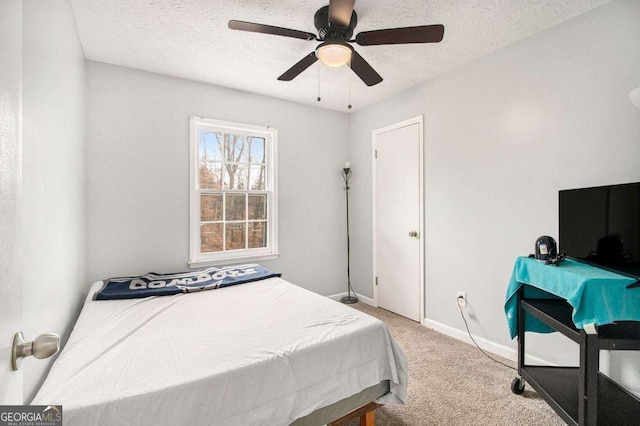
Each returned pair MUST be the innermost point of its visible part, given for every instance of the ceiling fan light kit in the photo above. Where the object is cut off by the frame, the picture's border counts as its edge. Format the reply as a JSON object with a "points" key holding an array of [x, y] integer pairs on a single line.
{"points": [[334, 54], [335, 24]]}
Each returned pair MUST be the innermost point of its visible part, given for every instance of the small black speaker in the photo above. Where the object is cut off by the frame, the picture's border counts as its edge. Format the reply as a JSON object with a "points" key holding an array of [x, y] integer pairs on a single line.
{"points": [[546, 248]]}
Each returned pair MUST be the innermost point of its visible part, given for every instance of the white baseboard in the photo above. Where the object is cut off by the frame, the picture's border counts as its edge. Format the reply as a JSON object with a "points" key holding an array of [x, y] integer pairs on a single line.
{"points": [[486, 345]]}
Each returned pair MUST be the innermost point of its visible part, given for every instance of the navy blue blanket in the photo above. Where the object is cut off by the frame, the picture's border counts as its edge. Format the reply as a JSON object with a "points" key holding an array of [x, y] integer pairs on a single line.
{"points": [[154, 284]]}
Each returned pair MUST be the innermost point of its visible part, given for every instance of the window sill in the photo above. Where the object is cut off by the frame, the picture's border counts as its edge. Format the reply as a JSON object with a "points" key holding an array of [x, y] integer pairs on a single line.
{"points": [[232, 260]]}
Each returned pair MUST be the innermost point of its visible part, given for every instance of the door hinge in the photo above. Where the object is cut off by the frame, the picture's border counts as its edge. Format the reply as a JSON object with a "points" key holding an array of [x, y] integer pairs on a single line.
{"points": [[376, 153], [376, 280]]}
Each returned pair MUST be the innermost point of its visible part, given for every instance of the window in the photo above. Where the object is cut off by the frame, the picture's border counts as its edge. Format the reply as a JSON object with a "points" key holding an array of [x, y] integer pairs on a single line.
{"points": [[233, 192]]}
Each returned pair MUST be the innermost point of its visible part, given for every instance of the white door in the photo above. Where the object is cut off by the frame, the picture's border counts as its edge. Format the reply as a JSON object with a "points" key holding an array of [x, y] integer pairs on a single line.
{"points": [[10, 142], [398, 218]]}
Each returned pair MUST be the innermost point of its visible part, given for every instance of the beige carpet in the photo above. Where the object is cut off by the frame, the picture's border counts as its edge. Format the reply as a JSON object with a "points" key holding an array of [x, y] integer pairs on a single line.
{"points": [[453, 383]]}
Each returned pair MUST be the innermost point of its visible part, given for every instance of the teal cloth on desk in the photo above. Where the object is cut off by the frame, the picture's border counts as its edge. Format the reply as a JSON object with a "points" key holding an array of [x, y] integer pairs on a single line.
{"points": [[596, 295]]}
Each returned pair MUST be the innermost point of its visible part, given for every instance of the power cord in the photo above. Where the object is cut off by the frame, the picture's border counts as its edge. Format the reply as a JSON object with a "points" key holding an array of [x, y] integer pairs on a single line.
{"points": [[354, 292], [473, 340]]}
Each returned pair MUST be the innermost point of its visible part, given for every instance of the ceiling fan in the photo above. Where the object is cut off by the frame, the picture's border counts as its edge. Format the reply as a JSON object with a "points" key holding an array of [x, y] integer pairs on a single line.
{"points": [[335, 24]]}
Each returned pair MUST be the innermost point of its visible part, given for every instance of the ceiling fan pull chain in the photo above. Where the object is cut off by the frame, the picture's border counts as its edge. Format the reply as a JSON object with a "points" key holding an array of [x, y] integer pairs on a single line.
{"points": [[319, 98], [350, 77]]}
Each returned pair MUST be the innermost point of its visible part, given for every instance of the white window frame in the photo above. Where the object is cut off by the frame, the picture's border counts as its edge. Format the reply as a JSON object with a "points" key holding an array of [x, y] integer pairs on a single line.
{"points": [[270, 135]]}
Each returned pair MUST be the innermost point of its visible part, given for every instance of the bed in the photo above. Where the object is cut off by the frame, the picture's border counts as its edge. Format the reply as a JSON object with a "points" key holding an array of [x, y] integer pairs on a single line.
{"points": [[262, 353]]}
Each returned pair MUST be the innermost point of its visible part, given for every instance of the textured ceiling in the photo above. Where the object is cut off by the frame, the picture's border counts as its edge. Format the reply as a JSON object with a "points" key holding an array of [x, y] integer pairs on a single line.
{"points": [[190, 39]]}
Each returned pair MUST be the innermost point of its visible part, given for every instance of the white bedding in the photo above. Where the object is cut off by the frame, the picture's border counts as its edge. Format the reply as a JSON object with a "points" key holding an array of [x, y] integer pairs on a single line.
{"points": [[263, 353]]}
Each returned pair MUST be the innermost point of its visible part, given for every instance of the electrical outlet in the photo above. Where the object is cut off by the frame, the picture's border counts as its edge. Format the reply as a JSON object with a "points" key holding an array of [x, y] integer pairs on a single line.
{"points": [[461, 297]]}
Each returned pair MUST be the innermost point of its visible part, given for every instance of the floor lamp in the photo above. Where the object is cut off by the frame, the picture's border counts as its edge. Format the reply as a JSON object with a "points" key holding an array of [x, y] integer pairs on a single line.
{"points": [[346, 174]]}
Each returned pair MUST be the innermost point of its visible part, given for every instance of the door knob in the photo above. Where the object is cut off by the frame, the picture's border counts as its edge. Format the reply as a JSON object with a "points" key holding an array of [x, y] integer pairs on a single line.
{"points": [[413, 234], [43, 346]]}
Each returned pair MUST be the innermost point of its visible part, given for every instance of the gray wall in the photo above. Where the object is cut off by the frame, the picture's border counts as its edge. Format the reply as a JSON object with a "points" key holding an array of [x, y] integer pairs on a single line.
{"points": [[138, 157], [502, 135], [53, 215]]}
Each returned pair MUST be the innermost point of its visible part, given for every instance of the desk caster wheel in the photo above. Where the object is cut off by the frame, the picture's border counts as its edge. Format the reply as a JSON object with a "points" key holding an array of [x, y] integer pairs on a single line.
{"points": [[517, 386]]}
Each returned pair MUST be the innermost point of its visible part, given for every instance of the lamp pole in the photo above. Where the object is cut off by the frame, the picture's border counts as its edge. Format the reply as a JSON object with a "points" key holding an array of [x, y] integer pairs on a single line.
{"points": [[346, 174]]}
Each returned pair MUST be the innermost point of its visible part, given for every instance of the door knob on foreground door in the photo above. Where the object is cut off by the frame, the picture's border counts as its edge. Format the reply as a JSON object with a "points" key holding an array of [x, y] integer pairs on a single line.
{"points": [[43, 346], [413, 234]]}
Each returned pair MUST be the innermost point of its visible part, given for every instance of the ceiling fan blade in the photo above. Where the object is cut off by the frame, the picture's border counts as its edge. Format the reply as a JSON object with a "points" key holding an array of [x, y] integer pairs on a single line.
{"points": [[340, 12], [421, 34], [269, 29], [302, 65], [364, 70]]}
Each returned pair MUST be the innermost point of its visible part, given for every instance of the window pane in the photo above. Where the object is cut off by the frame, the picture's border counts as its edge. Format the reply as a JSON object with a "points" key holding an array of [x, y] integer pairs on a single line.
{"points": [[210, 237], [236, 207], [210, 207], [254, 150], [257, 207], [257, 178], [234, 147], [235, 176], [235, 236], [210, 175], [210, 145], [257, 234]]}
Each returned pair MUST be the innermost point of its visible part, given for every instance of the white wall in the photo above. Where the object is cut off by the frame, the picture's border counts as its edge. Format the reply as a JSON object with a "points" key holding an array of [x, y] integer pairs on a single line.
{"points": [[138, 157], [502, 135], [54, 173]]}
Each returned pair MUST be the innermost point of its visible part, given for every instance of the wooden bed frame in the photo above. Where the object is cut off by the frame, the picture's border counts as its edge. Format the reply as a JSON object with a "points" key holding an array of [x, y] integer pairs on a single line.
{"points": [[361, 405], [366, 413]]}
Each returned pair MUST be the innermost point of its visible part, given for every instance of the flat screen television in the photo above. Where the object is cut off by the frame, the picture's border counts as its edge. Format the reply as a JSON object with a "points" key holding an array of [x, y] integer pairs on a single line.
{"points": [[601, 226]]}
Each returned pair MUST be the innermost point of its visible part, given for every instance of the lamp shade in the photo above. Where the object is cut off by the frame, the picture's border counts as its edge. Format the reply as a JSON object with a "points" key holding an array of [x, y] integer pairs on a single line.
{"points": [[634, 95], [334, 54]]}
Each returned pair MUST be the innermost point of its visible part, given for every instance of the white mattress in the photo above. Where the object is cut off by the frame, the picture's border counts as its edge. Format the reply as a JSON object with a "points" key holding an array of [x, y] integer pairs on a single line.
{"points": [[263, 353]]}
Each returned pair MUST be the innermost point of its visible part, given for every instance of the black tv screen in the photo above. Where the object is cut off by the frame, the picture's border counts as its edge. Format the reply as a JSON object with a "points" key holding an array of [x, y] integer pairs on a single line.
{"points": [[601, 226]]}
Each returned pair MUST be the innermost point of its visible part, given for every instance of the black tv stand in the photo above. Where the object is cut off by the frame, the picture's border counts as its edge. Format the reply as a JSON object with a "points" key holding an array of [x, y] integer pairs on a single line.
{"points": [[580, 395]]}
